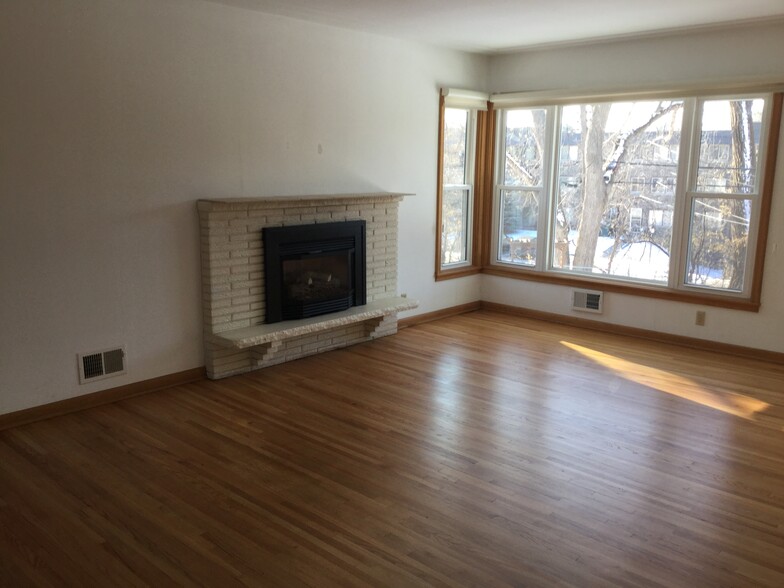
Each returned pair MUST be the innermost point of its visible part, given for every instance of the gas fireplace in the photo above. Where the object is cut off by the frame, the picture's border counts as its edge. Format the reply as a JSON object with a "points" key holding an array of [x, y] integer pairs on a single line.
{"points": [[313, 269]]}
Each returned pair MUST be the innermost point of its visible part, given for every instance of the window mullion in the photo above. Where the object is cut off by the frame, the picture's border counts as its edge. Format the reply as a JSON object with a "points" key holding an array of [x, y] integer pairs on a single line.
{"points": [[498, 187], [549, 189], [757, 197], [687, 173]]}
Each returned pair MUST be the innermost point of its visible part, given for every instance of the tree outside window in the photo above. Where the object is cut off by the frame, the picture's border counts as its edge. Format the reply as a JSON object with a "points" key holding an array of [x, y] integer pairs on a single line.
{"points": [[616, 205]]}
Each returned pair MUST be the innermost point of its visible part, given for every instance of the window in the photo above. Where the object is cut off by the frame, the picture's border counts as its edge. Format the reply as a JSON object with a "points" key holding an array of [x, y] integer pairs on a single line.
{"points": [[457, 187], [462, 161], [619, 143], [522, 185], [661, 195], [724, 196]]}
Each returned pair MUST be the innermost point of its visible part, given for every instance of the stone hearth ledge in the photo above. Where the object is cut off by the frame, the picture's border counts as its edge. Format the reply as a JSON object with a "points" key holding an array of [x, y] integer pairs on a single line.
{"points": [[261, 334]]}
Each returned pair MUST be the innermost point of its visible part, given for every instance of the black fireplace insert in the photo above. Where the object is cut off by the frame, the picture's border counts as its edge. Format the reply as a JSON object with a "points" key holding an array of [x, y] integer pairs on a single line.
{"points": [[313, 269]]}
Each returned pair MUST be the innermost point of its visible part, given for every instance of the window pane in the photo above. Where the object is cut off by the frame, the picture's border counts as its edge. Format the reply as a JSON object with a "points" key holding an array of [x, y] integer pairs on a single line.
{"points": [[519, 214], [718, 240], [455, 135], [729, 146], [524, 139], [616, 188], [454, 223]]}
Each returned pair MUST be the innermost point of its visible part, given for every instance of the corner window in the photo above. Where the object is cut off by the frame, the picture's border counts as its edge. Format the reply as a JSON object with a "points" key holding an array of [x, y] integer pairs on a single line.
{"points": [[462, 180], [457, 186]]}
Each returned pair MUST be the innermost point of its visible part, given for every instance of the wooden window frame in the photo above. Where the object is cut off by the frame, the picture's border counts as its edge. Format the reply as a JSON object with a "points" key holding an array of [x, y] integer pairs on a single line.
{"points": [[750, 303], [479, 255], [482, 226]]}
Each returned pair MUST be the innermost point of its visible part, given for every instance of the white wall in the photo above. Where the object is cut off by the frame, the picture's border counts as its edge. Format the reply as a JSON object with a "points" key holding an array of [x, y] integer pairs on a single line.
{"points": [[742, 52], [745, 53], [117, 115]]}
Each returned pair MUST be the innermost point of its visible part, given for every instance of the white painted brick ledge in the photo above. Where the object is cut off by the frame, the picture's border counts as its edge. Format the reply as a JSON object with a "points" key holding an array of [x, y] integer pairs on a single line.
{"points": [[318, 200], [251, 336]]}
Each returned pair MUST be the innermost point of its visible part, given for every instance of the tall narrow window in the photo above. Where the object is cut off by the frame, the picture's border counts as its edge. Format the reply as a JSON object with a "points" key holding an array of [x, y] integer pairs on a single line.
{"points": [[725, 193], [457, 187], [522, 185], [462, 141]]}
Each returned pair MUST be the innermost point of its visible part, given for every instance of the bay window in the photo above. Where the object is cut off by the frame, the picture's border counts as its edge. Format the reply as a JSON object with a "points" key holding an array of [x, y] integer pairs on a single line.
{"points": [[661, 197], [664, 196]]}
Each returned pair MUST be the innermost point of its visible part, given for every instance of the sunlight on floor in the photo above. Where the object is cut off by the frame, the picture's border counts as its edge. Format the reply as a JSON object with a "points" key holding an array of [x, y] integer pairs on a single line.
{"points": [[725, 401]]}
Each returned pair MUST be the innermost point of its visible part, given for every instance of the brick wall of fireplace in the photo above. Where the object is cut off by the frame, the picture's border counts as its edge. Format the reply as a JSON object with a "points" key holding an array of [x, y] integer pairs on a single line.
{"points": [[233, 272]]}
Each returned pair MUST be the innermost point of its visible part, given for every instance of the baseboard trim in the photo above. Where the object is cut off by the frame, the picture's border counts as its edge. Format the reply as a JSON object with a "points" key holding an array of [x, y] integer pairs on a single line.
{"points": [[69, 405], [61, 407], [438, 314], [691, 342]]}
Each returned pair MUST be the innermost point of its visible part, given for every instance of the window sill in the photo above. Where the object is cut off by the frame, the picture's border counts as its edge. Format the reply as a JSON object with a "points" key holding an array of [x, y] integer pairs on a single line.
{"points": [[746, 304], [457, 272]]}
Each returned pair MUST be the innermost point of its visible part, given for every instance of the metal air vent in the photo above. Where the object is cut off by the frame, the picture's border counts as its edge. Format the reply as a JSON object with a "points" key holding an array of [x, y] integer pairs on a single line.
{"points": [[101, 364], [587, 300]]}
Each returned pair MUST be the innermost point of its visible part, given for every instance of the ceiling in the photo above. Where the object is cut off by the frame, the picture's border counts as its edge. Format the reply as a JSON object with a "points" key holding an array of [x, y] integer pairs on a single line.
{"points": [[488, 26]]}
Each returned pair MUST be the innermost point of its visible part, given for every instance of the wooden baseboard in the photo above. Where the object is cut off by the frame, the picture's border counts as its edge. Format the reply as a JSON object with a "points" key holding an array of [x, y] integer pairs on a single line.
{"points": [[691, 342], [438, 314], [39, 413]]}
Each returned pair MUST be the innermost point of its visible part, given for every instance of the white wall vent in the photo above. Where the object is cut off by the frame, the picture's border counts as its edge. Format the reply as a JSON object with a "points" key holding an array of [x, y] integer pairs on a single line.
{"points": [[101, 364], [587, 300]]}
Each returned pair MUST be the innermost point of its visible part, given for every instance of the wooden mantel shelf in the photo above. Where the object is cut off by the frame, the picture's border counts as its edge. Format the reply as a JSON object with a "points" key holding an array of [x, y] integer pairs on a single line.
{"points": [[277, 332]]}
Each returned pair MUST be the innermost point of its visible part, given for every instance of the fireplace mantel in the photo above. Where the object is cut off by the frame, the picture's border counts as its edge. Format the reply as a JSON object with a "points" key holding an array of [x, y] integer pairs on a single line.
{"points": [[233, 279], [229, 204]]}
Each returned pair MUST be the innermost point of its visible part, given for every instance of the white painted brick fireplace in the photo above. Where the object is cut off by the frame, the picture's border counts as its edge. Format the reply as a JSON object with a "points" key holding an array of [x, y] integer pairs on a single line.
{"points": [[236, 338]]}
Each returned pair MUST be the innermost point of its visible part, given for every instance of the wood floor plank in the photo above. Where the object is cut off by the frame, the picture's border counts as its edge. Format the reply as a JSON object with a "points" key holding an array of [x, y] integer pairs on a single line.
{"points": [[476, 450]]}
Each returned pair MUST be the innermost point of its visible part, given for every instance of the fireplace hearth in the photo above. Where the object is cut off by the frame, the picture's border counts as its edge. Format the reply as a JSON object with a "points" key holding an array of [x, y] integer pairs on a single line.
{"points": [[237, 337], [314, 269]]}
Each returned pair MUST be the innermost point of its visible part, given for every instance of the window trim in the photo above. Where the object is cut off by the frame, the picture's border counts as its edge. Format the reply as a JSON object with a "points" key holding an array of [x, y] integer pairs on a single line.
{"points": [[680, 292], [766, 196]]}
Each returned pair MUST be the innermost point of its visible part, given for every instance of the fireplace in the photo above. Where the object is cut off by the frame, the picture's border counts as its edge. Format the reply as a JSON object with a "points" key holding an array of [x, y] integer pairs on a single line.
{"points": [[234, 279], [313, 269]]}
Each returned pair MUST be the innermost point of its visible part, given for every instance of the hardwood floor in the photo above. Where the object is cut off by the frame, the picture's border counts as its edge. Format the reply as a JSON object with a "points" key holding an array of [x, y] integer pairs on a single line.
{"points": [[478, 450]]}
